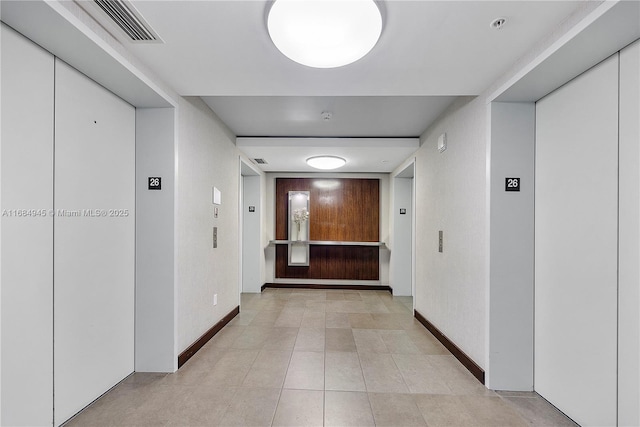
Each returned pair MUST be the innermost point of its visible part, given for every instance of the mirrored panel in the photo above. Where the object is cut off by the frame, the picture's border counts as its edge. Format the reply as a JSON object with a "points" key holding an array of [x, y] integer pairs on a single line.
{"points": [[298, 228]]}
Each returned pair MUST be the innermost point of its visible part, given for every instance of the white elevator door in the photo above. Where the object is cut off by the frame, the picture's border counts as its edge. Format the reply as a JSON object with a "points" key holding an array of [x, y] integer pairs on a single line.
{"points": [[94, 236], [576, 220]]}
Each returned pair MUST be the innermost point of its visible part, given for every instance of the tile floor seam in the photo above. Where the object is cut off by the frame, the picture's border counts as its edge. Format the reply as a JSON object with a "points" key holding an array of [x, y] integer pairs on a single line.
{"points": [[413, 399], [366, 387], [324, 408], [275, 410], [404, 381], [222, 415], [324, 370], [373, 415], [362, 371]]}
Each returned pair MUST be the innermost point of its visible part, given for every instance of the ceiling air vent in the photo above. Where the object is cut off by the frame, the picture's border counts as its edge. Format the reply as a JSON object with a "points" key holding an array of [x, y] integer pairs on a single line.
{"points": [[123, 14], [260, 161]]}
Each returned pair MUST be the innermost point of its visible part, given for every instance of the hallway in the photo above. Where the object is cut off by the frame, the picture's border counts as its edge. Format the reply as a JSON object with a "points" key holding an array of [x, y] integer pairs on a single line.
{"points": [[314, 357]]}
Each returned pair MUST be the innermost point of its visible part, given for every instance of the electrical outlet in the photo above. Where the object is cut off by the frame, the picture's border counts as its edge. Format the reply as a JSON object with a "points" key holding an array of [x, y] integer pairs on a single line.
{"points": [[215, 299]]}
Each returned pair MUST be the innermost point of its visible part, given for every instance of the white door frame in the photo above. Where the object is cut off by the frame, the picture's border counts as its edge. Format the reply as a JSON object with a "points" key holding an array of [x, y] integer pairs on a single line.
{"points": [[407, 172], [245, 169]]}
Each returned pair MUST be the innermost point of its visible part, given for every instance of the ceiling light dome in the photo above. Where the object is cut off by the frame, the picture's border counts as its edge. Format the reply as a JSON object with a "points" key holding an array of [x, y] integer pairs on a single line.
{"points": [[326, 162], [324, 33]]}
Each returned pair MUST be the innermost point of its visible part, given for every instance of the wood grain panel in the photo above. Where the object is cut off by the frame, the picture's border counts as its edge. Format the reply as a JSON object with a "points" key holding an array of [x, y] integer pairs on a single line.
{"points": [[283, 186], [332, 262], [340, 209], [346, 210], [352, 287]]}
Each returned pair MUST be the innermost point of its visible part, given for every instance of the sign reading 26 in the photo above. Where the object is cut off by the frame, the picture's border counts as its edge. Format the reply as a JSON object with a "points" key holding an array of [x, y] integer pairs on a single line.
{"points": [[155, 183]]}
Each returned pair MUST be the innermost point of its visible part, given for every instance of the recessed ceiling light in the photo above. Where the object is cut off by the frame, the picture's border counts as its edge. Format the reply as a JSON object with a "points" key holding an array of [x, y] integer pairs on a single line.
{"points": [[324, 33], [326, 184], [326, 162], [498, 23]]}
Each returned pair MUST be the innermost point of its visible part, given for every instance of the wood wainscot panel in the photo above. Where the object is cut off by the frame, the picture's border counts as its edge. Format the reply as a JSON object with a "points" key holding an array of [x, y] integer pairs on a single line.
{"points": [[468, 362], [200, 342], [351, 287], [332, 262]]}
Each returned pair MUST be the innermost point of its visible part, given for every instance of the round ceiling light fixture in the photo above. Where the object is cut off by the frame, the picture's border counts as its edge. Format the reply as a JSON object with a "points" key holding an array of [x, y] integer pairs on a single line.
{"points": [[324, 33], [326, 162]]}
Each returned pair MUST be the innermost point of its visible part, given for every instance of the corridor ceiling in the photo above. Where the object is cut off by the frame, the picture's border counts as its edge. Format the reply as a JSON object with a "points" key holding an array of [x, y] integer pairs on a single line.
{"points": [[429, 53]]}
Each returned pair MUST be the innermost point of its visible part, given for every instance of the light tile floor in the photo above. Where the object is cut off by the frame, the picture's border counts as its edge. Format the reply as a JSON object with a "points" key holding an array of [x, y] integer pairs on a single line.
{"points": [[297, 357]]}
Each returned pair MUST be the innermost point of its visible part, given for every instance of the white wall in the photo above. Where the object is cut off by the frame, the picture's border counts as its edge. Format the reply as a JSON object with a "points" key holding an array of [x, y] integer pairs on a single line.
{"points": [[629, 234], [155, 299], [510, 364], [576, 235], [451, 196], [401, 258], [207, 157], [94, 255], [473, 121], [26, 368], [270, 212]]}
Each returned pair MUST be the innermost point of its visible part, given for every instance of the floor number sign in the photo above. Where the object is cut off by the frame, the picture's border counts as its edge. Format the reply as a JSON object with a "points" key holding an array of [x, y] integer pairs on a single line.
{"points": [[155, 183], [512, 184]]}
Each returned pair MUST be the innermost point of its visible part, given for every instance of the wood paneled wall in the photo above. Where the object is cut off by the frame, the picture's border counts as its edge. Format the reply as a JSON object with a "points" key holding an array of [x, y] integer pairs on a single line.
{"points": [[332, 262], [345, 210]]}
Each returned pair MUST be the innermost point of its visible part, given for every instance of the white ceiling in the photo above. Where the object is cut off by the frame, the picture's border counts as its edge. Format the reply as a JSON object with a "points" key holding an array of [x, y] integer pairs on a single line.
{"points": [[290, 154], [429, 53], [351, 116], [427, 48]]}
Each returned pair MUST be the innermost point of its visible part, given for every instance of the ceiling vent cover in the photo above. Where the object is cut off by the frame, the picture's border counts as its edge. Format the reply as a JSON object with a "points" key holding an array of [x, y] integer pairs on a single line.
{"points": [[122, 13], [260, 161]]}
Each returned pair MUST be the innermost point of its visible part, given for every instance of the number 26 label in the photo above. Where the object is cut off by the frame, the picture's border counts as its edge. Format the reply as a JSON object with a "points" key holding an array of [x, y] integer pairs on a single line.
{"points": [[512, 184], [155, 183]]}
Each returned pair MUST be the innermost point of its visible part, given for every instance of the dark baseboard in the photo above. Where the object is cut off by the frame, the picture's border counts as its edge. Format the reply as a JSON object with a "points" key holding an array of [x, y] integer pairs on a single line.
{"points": [[323, 286], [200, 342], [468, 363]]}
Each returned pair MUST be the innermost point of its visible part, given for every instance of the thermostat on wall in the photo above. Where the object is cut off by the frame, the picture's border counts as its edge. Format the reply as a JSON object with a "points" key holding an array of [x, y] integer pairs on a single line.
{"points": [[442, 142]]}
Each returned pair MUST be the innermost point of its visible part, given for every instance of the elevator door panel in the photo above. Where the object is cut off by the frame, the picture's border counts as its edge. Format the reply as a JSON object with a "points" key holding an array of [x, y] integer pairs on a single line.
{"points": [[576, 246], [94, 233]]}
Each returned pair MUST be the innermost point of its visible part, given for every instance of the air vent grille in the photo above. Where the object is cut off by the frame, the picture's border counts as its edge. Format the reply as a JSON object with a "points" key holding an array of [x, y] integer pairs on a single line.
{"points": [[260, 161], [123, 15]]}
